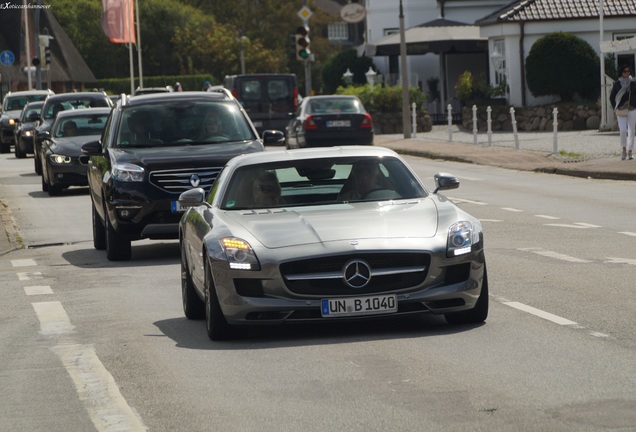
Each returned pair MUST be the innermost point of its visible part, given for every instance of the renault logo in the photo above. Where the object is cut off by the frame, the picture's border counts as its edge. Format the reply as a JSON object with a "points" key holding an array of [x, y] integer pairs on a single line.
{"points": [[356, 274], [195, 180]]}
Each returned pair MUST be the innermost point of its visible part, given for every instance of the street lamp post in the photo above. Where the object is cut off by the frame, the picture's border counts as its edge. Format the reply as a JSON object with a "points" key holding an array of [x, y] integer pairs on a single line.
{"points": [[406, 125], [371, 78], [348, 77]]}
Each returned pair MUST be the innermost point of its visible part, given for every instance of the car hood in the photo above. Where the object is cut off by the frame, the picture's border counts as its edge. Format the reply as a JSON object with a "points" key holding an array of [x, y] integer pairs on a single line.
{"points": [[71, 146], [377, 220], [171, 157]]}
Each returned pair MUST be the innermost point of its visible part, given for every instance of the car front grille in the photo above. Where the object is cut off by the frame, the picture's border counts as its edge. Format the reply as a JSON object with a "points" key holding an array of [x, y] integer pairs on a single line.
{"points": [[181, 180], [324, 276]]}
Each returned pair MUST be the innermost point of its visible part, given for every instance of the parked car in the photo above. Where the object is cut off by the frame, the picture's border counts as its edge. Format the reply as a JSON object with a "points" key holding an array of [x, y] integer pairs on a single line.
{"points": [[149, 90], [63, 102], [329, 121], [12, 106], [154, 147], [61, 149], [24, 132], [269, 99], [318, 235]]}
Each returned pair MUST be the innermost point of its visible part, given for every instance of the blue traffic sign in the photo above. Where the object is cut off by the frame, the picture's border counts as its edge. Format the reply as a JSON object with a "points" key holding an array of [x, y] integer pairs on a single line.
{"points": [[7, 58]]}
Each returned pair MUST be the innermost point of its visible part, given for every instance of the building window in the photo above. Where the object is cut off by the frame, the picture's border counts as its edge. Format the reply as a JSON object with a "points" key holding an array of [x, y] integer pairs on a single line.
{"points": [[498, 57], [625, 58], [390, 31], [338, 31]]}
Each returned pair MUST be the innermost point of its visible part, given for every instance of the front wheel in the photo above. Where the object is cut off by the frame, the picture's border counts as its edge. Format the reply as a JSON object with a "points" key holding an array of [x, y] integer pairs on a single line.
{"points": [[193, 307], [19, 153], [476, 315], [117, 247], [99, 232]]}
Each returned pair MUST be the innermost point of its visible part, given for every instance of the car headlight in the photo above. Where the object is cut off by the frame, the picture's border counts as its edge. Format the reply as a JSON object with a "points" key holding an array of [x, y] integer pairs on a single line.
{"points": [[11, 122], [239, 254], [462, 236], [60, 159], [28, 133], [128, 173]]}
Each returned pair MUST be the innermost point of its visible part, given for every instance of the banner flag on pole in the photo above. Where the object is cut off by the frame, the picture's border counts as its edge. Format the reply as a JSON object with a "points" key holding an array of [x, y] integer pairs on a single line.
{"points": [[118, 20]]}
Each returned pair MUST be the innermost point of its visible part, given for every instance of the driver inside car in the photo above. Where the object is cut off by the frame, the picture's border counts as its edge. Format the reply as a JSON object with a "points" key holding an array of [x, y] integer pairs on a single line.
{"points": [[365, 177], [210, 128]]}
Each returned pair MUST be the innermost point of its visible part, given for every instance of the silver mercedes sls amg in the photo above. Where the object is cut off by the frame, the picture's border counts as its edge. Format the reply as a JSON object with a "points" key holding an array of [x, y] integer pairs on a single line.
{"points": [[327, 234]]}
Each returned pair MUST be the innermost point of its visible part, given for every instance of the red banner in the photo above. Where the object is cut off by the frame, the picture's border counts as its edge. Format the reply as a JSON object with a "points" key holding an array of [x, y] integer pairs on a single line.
{"points": [[118, 20]]}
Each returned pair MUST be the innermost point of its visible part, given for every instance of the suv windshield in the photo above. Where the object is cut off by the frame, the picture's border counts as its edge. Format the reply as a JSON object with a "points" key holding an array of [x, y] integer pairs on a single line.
{"points": [[18, 102], [179, 122]]}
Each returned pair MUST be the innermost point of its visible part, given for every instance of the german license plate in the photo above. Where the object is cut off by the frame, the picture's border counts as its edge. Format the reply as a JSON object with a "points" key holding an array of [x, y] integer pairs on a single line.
{"points": [[339, 123], [176, 207], [352, 306]]}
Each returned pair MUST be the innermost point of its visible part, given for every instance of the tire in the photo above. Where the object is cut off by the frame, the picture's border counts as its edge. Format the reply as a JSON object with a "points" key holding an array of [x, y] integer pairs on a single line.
{"points": [[38, 165], [5, 148], [55, 190], [193, 306], [99, 232], [217, 326], [117, 248], [19, 154], [476, 315], [45, 185]]}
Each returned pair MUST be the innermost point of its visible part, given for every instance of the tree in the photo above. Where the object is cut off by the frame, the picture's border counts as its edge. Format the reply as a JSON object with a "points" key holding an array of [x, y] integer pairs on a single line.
{"points": [[338, 65], [563, 64]]}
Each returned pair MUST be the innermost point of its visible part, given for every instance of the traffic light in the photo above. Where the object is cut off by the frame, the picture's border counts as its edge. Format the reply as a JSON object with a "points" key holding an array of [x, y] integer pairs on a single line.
{"points": [[302, 43]]}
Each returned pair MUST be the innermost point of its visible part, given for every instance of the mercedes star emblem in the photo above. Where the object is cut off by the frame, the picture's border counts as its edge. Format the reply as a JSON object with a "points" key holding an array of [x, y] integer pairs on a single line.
{"points": [[356, 273]]}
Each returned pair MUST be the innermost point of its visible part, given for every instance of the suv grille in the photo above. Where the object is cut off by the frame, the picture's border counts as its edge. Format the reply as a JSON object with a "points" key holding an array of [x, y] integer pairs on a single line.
{"points": [[324, 276], [181, 180]]}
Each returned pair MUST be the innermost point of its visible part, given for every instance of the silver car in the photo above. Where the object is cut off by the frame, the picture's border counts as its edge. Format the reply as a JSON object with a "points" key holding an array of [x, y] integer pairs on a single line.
{"points": [[317, 235]]}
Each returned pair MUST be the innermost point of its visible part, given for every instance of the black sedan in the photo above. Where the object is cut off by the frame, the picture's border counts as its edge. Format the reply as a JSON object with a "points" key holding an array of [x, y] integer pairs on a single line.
{"points": [[25, 129], [61, 147], [322, 121]]}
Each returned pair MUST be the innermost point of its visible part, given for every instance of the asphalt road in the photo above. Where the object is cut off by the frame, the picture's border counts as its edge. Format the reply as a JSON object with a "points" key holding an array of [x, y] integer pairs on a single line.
{"points": [[87, 344]]}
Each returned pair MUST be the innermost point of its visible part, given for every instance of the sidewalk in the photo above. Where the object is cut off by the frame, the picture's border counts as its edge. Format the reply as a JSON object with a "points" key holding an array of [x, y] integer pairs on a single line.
{"points": [[587, 153]]}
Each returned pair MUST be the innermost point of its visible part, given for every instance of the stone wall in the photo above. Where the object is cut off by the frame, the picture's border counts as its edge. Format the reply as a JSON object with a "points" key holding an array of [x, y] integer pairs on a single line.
{"points": [[535, 119], [391, 123]]}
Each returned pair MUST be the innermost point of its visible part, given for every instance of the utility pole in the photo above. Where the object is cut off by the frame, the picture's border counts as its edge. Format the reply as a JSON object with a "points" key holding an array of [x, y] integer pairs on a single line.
{"points": [[406, 125]]}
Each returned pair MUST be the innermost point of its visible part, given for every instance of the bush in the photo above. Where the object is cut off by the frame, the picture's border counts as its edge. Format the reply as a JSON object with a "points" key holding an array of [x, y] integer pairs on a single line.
{"points": [[338, 65], [385, 99], [563, 64]]}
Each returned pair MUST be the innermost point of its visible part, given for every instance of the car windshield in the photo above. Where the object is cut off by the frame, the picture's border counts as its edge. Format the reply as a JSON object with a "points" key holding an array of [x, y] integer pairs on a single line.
{"points": [[81, 125], [335, 106], [320, 182], [182, 123], [15, 103], [28, 112], [52, 107]]}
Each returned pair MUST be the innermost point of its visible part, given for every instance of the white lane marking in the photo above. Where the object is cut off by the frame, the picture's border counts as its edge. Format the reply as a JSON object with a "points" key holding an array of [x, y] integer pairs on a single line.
{"points": [[97, 389], [633, 234], [23, 263], [599, 334], [38, 290], [491, 220], [576, 225], [461, 200], [512, 209], [547, 217], [53, 318], [25, 276], [552, 254], [541, 314], [620, 261]]}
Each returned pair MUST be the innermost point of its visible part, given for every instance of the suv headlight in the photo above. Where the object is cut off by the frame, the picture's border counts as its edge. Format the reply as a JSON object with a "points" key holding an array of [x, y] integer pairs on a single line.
{"points": [[11, 122], [128, 173], [239, 254], [462, 236]]}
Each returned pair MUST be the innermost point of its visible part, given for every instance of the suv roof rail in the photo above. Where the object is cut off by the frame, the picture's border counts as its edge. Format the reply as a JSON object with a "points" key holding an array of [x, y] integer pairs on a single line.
{"points": [[221, 89]]}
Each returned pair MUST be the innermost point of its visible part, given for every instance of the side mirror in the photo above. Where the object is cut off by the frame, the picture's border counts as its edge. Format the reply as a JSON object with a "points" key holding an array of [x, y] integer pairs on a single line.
{"points": [[192, 197], [43, 135], [273, 137], [92, 148], [445, 181]]}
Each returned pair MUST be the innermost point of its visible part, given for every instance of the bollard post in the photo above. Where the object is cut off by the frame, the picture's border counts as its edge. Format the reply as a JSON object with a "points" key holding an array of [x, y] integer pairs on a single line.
{"points": [[514, 127], [475, 124], [555, 128], [414, 120], [449, 107], [489, 121]]}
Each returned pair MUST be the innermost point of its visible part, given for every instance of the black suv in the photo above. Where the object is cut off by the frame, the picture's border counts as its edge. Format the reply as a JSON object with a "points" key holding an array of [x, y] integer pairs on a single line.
{"points": [[154, 147]]}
